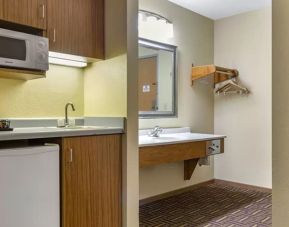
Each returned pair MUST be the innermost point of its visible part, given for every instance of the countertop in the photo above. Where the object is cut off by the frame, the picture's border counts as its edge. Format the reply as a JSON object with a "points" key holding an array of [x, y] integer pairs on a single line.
{"points": [[175, 136], [54, 132]]}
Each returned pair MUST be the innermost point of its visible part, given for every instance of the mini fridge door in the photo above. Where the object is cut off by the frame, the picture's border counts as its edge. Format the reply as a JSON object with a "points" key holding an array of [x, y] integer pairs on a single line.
{"points": [[29, 187]]}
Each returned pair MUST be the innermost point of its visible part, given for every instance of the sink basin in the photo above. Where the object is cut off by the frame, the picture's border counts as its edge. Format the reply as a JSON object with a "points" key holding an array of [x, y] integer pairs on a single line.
{"points": [[79, 127], [56, 129], [36, 129], [163, 138], [174, 136]]}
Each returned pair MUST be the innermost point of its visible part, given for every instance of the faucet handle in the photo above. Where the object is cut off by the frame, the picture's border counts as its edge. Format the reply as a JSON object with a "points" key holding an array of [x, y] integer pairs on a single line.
{"points": [[155, 131], [159, 129]]}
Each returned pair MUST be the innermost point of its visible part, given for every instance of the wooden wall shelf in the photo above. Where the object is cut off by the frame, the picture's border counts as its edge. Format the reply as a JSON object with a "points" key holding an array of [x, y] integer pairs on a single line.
{"points": [[220, 74]]}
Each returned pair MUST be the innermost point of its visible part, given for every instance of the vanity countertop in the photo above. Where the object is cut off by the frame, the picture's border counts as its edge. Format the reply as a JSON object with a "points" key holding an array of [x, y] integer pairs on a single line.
{"points": [[53, 132], [174, 136]]}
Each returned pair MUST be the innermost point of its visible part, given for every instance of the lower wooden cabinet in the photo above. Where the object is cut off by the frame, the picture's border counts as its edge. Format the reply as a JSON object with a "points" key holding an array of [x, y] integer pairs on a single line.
{"points": [[91, 181]]}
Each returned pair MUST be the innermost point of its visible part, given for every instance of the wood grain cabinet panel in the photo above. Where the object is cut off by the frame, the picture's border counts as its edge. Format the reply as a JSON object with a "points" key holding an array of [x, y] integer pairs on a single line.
{"points": [[76, 27], [1, 9], [31, 13], [156, 155], [91, 181]]}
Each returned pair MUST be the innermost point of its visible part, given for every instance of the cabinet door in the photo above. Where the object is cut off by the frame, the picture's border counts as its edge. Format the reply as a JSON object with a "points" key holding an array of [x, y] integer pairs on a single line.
{"points": [[26, 12], [76, 27], [1, 9], [91, 181]]}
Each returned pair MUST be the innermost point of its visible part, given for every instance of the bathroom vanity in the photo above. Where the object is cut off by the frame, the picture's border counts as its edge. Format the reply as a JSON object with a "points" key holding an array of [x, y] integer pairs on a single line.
{"points": [[178, 144]]}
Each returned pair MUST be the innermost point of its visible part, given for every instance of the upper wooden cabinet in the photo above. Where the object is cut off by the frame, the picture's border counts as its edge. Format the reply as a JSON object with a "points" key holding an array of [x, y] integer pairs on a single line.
{"points": [[1, 9], [76, 27], [31, 13]]}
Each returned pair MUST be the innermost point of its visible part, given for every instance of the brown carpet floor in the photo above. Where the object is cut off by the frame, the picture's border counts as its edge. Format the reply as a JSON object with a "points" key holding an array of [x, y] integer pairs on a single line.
{"points": [[211, 205]]}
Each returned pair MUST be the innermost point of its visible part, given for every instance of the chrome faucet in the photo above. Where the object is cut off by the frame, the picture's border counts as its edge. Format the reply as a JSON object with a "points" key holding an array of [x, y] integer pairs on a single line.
{"points": [[156, 131], [66, 123]]}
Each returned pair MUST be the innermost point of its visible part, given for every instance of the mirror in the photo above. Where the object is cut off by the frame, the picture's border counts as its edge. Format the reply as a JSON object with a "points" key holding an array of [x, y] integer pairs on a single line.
{"points": [[157, 79]]}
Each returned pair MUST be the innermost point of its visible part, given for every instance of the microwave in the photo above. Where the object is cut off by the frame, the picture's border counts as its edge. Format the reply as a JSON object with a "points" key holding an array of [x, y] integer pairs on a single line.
{"points": [[23, 51]]}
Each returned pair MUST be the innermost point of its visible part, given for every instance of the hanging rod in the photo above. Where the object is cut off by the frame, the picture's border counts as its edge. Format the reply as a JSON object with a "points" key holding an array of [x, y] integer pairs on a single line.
{"points": [[220, 73]]}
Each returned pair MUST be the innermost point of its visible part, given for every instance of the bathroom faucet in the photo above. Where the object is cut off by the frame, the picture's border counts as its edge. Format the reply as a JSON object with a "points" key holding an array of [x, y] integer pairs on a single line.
{"points": [[156, 131], [66, 123]]}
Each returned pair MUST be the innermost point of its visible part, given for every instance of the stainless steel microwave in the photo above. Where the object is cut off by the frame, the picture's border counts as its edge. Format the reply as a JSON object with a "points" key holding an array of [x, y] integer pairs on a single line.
{"points": [[23, 51]]}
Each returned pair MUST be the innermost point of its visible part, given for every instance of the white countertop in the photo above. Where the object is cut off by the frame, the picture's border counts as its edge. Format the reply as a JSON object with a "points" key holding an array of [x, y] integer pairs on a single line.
{"points": [[54, 132], [174, 136]]}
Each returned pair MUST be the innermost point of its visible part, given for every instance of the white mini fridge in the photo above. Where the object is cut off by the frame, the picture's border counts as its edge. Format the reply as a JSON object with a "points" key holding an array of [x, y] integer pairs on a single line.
{"points": [[29, 187]]}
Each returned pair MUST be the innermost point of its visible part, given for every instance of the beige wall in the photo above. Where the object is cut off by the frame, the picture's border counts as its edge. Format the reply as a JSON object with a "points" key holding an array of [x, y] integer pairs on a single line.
{"points": [[105, 88], [280, 113], [131, 154], [244, 42], [193, 34], [43, 97]]}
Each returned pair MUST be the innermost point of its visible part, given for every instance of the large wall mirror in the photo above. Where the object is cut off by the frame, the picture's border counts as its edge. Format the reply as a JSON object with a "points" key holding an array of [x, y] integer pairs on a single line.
{"points": [[157, 79]]}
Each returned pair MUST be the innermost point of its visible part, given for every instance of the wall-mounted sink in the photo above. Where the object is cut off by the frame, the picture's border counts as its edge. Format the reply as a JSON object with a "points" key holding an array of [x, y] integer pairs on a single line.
{"points": [[163, 138], [179, 144], [146, 139], [174, 136]]}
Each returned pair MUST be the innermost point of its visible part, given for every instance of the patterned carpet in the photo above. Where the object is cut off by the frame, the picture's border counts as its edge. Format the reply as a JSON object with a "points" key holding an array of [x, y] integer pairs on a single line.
{"points": [[212, 205]]}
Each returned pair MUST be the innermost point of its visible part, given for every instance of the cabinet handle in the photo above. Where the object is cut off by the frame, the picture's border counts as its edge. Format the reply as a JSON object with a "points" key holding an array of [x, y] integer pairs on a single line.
{"points": [[70, 155], [43, 11], [54, 35]]}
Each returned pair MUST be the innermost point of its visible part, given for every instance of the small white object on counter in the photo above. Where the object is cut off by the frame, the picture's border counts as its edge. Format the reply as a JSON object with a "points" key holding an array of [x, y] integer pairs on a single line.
{"points": [[174, 136], [52, 132]]}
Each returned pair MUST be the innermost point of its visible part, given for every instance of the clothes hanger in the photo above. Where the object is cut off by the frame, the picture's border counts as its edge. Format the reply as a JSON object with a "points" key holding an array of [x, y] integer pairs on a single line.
{"points": [[232, 87]]}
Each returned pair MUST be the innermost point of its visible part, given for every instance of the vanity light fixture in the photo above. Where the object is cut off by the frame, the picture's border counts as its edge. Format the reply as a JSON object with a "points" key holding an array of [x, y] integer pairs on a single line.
{"points": [[150, 23]]}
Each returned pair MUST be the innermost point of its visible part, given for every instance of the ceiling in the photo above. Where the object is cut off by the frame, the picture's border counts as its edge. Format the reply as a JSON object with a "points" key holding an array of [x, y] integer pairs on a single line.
{"points": [[217, 9]]}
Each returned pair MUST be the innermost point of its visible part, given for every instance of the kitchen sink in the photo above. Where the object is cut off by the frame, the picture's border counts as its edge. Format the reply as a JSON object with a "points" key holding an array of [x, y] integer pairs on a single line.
{"points": [[79, 127], [56, 129]]}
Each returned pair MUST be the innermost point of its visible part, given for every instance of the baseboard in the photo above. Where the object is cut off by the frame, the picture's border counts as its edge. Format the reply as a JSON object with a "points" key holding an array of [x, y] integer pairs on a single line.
{"points": [[175, 192], [247, 186], [192, 187]]}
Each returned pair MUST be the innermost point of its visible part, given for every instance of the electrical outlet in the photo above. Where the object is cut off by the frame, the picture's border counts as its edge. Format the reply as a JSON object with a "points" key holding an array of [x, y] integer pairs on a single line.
{"points": [[213, 147]]}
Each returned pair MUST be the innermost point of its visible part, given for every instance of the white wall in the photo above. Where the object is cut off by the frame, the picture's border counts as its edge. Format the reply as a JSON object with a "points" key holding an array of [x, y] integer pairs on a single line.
{"points": [[193, 34], [244, 42]]}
